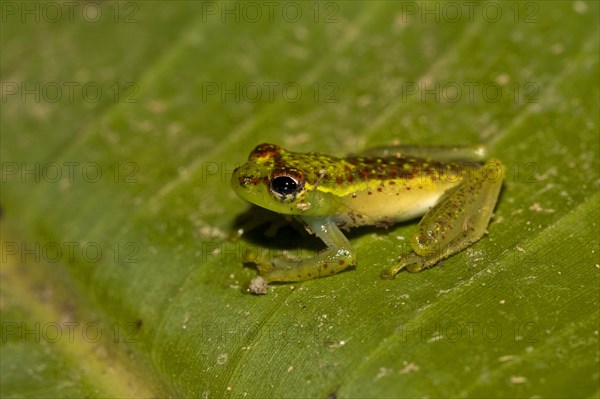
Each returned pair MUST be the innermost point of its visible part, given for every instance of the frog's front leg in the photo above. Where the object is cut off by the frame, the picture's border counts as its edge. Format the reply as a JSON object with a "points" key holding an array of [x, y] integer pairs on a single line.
{"points": [[336, 257], [458, 220]]}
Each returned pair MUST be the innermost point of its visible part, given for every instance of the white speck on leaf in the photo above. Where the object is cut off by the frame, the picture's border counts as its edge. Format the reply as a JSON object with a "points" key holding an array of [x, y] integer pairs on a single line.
{"points": [[518, 379], [580, 7], [222, 359], [410, 367], [383, 372]]}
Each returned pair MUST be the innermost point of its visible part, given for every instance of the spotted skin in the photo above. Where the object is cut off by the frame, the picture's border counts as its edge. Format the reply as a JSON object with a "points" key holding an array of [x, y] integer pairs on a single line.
{"points": [[450, 186]]}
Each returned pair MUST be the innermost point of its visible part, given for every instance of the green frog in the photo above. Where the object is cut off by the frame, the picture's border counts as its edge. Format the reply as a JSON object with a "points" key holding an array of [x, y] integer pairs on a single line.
{"points": [[451, 186]]}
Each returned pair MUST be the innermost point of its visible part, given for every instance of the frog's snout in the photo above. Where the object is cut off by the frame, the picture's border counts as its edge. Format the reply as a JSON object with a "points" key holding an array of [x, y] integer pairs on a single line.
{"points": [[237, 181], [242, 178]]}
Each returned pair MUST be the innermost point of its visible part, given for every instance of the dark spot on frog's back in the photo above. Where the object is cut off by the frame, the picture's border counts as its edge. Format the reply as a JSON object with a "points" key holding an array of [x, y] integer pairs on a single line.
{"points": [[264, 151]]}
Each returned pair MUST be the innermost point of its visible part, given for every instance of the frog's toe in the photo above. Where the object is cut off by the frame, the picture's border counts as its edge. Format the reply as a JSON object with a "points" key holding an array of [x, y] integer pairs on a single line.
{"points": [[413, 263], [388, 274], [414, 267], [264, 267]]}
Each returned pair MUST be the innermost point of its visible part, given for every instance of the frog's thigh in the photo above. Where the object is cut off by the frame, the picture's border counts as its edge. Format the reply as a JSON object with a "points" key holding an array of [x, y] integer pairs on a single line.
{"points": [[336, 257], [460, 218]]}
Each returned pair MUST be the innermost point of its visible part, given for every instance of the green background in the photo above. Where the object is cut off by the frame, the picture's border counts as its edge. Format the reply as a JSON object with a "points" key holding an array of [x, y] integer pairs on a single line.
{"points": [[122, 122]]}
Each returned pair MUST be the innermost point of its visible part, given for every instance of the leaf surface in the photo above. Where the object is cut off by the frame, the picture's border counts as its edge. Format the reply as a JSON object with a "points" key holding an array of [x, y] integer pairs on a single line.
{"points": [[118, 274]]}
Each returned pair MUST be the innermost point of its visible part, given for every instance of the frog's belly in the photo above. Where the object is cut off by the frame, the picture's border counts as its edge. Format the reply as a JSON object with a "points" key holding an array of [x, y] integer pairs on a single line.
{"points": [[386, 208]]}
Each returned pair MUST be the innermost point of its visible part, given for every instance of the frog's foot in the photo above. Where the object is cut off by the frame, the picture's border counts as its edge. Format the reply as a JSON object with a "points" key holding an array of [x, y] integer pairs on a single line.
{"points": [[267, 266], [267, 269]]}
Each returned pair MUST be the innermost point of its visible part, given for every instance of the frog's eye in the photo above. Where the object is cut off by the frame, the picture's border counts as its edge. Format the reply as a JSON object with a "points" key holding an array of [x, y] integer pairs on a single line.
{"points": [[286, 185]]}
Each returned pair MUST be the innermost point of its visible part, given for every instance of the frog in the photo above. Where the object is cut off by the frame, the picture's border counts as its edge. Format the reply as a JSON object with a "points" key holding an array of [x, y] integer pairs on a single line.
{"points": [[452, 188]]}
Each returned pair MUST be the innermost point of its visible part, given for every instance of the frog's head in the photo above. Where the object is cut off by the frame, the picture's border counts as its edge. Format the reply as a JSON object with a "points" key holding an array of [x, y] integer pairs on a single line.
{"points": [[273, 179]]}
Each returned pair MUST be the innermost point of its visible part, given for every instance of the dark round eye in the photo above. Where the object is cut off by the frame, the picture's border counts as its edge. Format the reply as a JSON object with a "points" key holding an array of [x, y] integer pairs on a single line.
{"points": [[284, 185]]}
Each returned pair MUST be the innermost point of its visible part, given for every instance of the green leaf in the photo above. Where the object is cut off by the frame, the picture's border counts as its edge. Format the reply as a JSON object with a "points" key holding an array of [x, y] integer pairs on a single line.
{"points": [[122, 122]]}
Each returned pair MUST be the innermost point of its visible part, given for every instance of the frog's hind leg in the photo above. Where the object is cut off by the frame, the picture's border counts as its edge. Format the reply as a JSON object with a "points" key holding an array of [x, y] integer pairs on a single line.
{"points": [[336, 257], [458, 220], [438, 153]]}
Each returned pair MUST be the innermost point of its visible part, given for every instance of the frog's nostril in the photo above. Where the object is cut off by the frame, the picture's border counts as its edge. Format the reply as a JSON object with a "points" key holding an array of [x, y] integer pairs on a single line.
{"points": [[247, 181]]}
